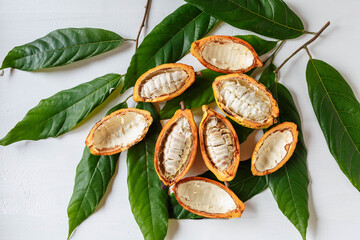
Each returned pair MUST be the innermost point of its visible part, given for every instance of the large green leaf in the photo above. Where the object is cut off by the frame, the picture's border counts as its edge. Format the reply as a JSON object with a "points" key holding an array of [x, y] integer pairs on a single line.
{"points": [[272, 18], [169, 41], [260, 45], [338, 113], [289, 184], [198, 94], [61, 47], [149, 203], [245, 185], [93, 175], [59, 113]]}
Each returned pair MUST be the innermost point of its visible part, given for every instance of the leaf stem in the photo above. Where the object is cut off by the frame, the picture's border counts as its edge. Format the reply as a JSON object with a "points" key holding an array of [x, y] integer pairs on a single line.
{"points": [[304, 46], [182, 104], [147, 10], [273, 54], [308, 52], [132, 40]]}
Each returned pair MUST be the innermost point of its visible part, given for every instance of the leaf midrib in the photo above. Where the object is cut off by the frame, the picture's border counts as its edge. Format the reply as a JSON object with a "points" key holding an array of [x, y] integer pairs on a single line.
{"points": [[293, 199], [268, 19], [332, 104], [85, 194], [78, 101], [73, 46]]}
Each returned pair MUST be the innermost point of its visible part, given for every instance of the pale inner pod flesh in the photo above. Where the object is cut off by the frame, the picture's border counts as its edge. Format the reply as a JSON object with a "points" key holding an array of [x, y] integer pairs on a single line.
{"points": [[120, 130], [245, 99], [163, 82], [273, 150], [177, 149], [228, 55], [206, 197], [219, 143]]}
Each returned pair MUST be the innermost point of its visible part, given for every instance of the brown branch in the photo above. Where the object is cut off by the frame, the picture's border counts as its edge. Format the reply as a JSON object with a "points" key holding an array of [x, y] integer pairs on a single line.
{"points": [[304, 46], [147, 10], [182, 104], [1, 73]]}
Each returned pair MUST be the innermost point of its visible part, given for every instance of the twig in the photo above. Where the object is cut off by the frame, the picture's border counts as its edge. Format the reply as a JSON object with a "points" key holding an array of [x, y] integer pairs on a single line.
{"points": [[147, 10], [182, 104], [304, 46], [1, 73]]}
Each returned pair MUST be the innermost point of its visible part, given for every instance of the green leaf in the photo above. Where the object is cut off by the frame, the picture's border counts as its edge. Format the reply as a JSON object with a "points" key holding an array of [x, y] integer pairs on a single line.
{"points": [[260, 45], [245, 185], [149, 203], [169, 41], [198, 94], [289, 184], [272, 18], [93, 175], [61, 47], [178, 212], [268, 76], [60, 113], [338, 113]]}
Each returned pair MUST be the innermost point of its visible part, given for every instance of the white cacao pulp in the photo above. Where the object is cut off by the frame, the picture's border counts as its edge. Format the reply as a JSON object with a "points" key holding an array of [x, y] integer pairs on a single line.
{"points": [[245, 99], [273, 150], [120, 130], [163, 82], [178, 145], [219, 143], [205, 196], [228, 55]]}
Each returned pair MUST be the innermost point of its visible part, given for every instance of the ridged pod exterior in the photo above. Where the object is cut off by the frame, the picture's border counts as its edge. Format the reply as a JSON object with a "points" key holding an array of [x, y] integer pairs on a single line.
{"points": [[289, 147], [160, 144], [197, 48], [116, 149], [240, 120], [235, 213], [158, 70], [229, 173]]}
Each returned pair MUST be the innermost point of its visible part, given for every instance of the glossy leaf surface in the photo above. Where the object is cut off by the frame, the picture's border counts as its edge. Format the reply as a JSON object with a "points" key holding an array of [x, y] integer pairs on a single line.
{"points": [[268, 76], [289, 184], [338, 113], [169, 41], [149, 203], [60, 113], [271, 18], [61, 47], [93, 175]]}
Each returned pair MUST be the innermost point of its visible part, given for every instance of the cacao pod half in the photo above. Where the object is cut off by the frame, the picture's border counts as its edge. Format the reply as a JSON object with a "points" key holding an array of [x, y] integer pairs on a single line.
{"points": [[225, 54], [274, 149], [208, 198], [163, 82], [219, 144], [118, 131], [176, 147], [245, 100]]}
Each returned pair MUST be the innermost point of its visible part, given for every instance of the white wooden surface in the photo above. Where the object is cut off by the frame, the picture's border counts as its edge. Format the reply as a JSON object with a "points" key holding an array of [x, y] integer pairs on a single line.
{"points": [[36, 178]]}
